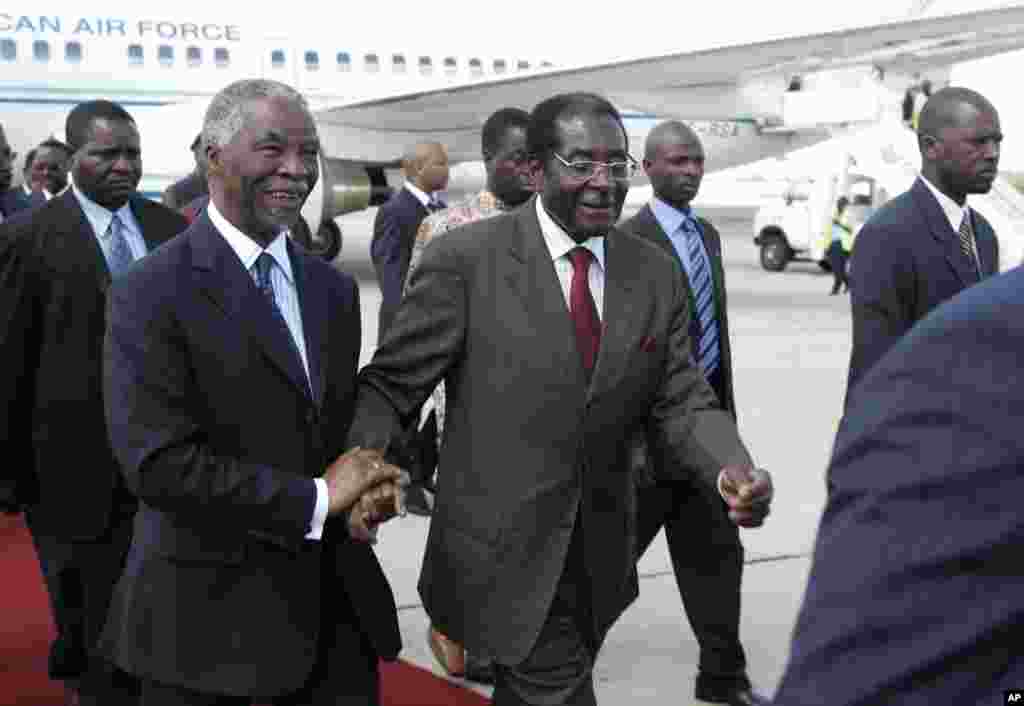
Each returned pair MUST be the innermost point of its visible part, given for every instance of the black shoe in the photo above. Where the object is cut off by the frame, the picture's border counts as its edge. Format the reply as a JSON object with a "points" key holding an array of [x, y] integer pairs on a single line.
{"points": [[419, 501], [734, 691]]}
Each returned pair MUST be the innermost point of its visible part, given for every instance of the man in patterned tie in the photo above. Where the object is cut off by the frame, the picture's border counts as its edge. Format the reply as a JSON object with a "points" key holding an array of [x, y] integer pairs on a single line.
{"points": [[559, 338], [927, 244], [707, 555], [56, 264]]}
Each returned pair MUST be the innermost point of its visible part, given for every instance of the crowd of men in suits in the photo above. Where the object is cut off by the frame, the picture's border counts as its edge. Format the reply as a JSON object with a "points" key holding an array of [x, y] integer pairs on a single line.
{"points": [[206, 467]]}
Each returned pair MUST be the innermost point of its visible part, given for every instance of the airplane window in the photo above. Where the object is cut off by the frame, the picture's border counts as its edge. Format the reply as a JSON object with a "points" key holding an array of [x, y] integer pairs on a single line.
{"points": [[135, 53], [499, 66], [426, 65], [194, 56], [8, 50], [41, 50], [312, 61], [277, 58], [450, 66], [165, 54], [221, 57], [476, 68], [73, 52], [372, 63], [398, 63], [523, 65], [344, 61]]}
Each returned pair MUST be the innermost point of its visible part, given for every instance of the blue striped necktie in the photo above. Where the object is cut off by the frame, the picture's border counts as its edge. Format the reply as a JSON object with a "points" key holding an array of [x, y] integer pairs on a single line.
{"points": [[120, 256], [264, 264], [705, 349]]}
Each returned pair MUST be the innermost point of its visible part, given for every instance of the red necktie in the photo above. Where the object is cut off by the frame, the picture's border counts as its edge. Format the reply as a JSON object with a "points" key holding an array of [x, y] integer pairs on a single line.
{"points": [[583, 310]]}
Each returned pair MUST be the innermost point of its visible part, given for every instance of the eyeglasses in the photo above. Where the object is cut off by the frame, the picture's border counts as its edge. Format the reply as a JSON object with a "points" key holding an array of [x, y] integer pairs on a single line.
{"points": [[584, 170]]}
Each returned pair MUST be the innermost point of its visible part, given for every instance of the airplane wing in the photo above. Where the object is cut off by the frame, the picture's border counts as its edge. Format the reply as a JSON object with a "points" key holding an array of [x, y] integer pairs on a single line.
{"points": [[726, 83]]}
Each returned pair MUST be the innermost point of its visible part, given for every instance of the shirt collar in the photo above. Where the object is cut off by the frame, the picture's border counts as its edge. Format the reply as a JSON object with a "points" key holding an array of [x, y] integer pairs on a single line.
{"points": [[100, 217], [422, 196], [954, 211], [669, 217], [248, 249], [558, 241]]}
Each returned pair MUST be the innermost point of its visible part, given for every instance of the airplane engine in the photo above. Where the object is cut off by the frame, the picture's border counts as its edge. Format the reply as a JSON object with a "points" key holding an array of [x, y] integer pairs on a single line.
{"points": [[344, 186]]}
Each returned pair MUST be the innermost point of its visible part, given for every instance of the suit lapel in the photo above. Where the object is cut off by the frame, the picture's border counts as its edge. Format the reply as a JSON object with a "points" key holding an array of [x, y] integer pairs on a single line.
{"points": [[620, 314], [222, 278], [140, 210], [313, 304], [985, 240], [943, 232], [532, 276], [77, 241]]}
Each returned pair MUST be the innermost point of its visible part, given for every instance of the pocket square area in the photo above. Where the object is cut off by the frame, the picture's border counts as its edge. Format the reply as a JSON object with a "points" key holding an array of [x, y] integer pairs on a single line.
{"points": [[648, 344]]}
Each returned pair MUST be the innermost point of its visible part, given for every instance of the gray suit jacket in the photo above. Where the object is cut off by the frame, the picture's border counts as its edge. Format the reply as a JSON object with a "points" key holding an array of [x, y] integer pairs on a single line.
{"points": [[528, 444]]}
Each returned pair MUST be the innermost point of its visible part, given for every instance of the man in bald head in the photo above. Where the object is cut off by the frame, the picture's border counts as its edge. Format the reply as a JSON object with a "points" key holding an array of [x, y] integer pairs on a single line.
{"points": [[394, 229], [707, 556], [927, 244]]}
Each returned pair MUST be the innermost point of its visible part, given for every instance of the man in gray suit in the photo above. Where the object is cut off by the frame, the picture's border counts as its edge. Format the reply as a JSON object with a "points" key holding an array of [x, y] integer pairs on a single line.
{"points": [[560, 340]]}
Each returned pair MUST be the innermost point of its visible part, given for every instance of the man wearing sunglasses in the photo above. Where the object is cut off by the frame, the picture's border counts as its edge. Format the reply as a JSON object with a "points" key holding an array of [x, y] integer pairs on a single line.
{"points": [[560, 339]]}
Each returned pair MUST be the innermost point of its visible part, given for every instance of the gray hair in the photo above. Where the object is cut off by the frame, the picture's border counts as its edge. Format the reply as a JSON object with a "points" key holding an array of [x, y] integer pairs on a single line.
{"points": [[226, 114]]}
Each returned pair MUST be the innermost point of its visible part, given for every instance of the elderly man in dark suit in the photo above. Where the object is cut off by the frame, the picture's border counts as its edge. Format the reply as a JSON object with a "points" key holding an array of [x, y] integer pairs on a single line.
{"points": [[560, 339], [707, 555], [394, 228], [927, 244], [230, 378], [55, 268], [916, 595]]}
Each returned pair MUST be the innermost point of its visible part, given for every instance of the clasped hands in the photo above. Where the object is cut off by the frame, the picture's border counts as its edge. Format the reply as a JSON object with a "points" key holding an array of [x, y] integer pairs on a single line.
{"points": [[748, 493], [366, 488]]}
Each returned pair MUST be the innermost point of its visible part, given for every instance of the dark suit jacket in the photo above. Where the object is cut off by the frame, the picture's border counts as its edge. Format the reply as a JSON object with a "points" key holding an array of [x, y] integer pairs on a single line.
{"points": [[217, 434], [528, 445], [53, 281], [14, 200], [916, 596], [906, 261], [645, 224], [394, 231]]}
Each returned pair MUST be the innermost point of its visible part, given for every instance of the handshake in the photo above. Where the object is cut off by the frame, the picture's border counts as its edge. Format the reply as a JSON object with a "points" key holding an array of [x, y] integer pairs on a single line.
{"points": [[361, 484]]}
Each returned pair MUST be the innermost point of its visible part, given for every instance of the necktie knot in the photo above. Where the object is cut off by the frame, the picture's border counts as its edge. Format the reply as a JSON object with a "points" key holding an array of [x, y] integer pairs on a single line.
{"points": [[580, 257], [264, 263]]}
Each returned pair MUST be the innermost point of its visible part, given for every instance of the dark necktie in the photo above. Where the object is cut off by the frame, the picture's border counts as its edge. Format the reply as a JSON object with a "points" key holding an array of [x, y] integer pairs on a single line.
{"points": [[435, 205], [583, 310], [705, 348], [120, 254], [264, 264], [966, 233]]}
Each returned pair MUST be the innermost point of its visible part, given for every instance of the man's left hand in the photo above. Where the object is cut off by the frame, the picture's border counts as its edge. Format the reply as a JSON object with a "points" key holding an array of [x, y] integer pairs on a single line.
{"points": [[748, 492]]}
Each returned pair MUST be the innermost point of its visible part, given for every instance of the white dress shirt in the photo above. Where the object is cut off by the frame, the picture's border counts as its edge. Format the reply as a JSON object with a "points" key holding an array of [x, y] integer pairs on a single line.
{"points": [[559, 244], [99, 218], [955, 213], [286, 296], [422, 196]]}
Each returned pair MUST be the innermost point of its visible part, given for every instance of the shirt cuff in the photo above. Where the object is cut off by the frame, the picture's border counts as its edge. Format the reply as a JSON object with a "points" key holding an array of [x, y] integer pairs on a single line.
{"points": [[721, 478], [316, 525]]}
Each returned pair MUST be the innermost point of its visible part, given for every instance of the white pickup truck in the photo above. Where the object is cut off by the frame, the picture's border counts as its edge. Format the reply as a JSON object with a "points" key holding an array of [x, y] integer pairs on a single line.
{"points": [[799, 225]]}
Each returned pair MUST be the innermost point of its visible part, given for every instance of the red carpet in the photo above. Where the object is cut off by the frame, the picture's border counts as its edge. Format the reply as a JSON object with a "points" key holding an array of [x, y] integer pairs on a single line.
{"points": [[26, 631]]}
